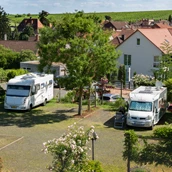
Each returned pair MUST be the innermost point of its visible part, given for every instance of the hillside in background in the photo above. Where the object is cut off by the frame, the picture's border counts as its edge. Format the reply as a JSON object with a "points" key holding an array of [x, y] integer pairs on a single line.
{"points": [[118, 16]]}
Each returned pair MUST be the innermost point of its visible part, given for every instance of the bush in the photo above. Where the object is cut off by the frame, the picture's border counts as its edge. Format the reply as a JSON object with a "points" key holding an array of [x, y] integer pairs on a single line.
{"points": [[70, 151], [144, 80], [69, 97]]}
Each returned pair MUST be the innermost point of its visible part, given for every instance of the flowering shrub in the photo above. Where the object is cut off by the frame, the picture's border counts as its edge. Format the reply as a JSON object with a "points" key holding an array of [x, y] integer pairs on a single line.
{"points": [[145, 80], [70, 150]]}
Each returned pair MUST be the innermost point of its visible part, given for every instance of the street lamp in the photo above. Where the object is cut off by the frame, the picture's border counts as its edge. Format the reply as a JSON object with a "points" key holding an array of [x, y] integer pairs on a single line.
{"points": [[94, 138]]}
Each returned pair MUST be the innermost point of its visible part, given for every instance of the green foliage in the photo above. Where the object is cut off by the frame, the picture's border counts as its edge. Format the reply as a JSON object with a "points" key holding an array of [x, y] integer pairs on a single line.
{"points": [[122, 74], [11, 60], [119, 103], [93, 166], [130, 146], [15, 72], [164, 71], [26, 55], [158, 151], [119, 16], [23, 36], [4, 24], [80, 43], [168, 84], [69, 97], [28, 30]]}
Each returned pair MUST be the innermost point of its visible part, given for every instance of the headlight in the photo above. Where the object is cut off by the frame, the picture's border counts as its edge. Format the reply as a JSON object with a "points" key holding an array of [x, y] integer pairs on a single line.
{"points": [[24, 101], [149, 117]]}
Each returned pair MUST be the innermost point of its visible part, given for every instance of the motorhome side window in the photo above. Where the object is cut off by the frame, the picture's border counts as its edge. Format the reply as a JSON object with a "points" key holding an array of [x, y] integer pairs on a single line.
{"points": [[50, 82]]}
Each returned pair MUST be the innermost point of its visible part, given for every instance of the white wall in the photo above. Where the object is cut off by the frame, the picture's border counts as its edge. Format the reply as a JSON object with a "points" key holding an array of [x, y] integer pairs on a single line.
{"points": [[142, 56]]}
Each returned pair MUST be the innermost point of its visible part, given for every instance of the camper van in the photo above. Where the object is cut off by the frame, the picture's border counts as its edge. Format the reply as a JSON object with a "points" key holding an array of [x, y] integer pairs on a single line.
{"points": [[29, 90], [147, 105]]}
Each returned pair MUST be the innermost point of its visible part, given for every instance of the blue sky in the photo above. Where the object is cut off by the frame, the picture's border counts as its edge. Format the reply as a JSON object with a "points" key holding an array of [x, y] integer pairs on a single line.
{"points": [[69, 6]]}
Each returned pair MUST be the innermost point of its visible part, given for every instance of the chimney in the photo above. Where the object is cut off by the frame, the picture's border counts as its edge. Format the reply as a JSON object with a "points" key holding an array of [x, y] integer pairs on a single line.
{"points": [[5, 36], [123, 37]]}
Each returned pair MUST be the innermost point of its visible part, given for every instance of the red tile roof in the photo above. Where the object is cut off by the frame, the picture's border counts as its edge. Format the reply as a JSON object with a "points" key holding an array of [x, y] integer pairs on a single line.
{"points": [[20, 45], [158, 36]]}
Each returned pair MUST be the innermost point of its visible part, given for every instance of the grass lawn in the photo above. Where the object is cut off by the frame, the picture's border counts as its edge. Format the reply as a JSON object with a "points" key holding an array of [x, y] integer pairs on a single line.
{"points": [[31, 129]]}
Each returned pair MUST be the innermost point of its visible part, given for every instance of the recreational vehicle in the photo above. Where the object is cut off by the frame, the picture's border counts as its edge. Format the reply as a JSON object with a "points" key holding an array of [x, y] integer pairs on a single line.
{"points": [[146, 106], [29, 90]]}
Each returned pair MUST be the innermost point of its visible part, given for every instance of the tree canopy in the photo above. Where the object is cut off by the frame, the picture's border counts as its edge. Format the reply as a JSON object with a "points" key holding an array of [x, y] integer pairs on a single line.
{"points": [[4, 23], [80, 43]]}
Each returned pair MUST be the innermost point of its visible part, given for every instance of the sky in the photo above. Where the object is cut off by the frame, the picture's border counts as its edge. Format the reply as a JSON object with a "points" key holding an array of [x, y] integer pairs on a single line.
{"points": [[69, 6]]}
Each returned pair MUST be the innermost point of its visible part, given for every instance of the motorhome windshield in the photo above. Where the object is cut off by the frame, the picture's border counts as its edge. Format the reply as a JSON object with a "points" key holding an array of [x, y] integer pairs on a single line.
{"points": [[140, 106], [18, 90]]}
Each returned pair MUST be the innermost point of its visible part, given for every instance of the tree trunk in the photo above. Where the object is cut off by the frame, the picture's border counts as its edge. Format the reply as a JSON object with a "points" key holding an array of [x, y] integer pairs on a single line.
{"points": [[89, 92], [95, 101], [80, 101], [121, 88]]}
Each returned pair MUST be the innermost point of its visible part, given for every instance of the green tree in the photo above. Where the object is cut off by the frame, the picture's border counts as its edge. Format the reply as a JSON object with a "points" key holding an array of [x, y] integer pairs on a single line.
{"points": [[4, 24], [165, 63], [168, 84], [121, 76], [80, 43], [28, 30], [26, 55], [170, 18], [130, 147]]}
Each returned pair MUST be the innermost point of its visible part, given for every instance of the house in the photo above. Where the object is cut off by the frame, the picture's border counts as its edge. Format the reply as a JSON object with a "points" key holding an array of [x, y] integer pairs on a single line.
{"points": [[120, 36], [35, 23], [141, 50], [115, 25], [59, 69]]}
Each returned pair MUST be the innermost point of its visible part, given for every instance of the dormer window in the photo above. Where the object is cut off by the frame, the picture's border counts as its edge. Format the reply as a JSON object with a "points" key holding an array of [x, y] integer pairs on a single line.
{"points": [[138, 41]]}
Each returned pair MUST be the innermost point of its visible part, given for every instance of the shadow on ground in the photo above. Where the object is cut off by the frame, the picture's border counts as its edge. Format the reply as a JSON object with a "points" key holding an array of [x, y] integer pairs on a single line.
{"points": [[34, 117], [167, 118]]}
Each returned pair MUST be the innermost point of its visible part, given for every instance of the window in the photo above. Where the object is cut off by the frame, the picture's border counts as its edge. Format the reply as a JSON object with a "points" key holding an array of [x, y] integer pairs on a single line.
{"points": [[138, 41], [127, 59], [50, 82], [156, 61]]}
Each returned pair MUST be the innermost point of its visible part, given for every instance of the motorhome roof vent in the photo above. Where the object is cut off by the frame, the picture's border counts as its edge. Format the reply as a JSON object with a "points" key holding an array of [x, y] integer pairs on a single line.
{"points": [[146, 91]]}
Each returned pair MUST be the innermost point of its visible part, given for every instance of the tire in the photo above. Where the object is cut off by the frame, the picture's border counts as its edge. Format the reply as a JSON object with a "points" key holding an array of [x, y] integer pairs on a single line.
{"points": [[45, 102], [151, 128], [30, 108]]}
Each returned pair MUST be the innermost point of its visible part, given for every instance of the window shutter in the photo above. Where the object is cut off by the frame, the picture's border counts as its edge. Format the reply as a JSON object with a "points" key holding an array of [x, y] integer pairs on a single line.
{"points": [[129, 60], [125, 59]]}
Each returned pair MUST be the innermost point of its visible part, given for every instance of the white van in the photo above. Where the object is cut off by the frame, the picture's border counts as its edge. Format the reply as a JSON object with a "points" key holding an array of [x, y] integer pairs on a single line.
{"points": [[147, 105], [27, 91]]}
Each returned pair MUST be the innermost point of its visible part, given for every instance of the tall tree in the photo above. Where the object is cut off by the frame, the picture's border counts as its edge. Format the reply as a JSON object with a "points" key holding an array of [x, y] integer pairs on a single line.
{"points": [[4, 24], [121, 76], [81, 44], [164, 71]]}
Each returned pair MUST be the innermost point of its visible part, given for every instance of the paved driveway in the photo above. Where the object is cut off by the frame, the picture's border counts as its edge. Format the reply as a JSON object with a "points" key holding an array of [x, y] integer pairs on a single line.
{"points": [[21, 139]]}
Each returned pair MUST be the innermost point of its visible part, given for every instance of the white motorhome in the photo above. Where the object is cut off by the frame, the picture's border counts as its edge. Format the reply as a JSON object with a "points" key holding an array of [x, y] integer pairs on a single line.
{"points": [[29, 90], [146, 106]]}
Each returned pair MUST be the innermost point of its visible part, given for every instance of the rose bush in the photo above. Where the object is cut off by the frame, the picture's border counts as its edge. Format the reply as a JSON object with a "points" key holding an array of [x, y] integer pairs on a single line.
{"points": [[70, 150]]}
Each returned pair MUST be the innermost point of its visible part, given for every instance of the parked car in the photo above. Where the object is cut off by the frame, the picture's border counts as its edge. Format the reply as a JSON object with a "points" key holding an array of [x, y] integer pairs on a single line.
{"points": [[111, 97]]}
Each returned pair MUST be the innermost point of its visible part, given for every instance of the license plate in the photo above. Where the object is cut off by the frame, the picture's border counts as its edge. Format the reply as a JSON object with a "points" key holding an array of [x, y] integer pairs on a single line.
{"points": [[14, 107]]}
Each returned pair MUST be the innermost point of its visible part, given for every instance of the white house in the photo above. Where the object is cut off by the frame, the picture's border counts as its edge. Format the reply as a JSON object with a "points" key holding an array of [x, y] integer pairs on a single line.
{"points": [[140, 51], [59, 69]]}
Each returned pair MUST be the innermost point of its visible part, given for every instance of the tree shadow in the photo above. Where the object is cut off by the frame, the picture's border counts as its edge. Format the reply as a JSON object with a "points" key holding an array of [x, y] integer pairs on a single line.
{"points": [[34, 117]]}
